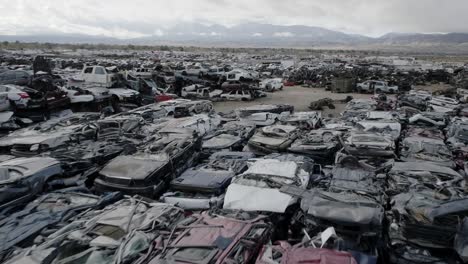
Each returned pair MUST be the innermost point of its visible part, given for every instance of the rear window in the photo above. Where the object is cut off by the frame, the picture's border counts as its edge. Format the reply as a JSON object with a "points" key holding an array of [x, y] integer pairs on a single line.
{"points": [[99, 70]]}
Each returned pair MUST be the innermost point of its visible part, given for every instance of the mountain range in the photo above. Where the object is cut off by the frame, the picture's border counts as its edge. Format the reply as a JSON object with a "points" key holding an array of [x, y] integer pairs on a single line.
{"points": [[255, 35]]}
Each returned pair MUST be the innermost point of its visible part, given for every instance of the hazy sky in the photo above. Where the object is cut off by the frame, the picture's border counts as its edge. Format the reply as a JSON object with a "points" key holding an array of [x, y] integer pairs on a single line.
{"points": [[134, 18]]}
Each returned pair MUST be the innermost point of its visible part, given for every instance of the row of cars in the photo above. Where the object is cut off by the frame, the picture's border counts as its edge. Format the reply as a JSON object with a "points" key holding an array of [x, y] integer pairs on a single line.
{"points": [[175, 182]]}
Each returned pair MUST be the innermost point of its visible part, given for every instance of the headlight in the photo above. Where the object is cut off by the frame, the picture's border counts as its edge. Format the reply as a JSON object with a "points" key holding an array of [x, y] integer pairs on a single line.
{"points": [[34, 147]]}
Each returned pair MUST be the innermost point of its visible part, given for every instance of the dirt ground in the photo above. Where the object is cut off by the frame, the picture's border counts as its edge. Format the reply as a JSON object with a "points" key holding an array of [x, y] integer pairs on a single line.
{"points": [[299, 97]]}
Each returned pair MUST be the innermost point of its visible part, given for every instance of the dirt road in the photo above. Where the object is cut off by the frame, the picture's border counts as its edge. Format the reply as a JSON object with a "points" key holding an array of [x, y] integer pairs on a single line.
{"points": [[297, 96]]}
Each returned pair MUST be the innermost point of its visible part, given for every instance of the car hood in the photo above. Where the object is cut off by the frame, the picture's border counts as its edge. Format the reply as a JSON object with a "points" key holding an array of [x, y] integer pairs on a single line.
{"points": [[35, 139], [132, 167], [98, 90], [252, 198], [24, 167], [123, 91], [221, 141]]}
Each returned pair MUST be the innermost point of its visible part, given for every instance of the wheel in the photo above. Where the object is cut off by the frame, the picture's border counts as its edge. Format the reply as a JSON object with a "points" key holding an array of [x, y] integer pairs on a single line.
{"points": [[200, 74], [378, 90], [243, 99], [116, 103], [13, 106], [281, 88], [184, 73], [241, 79], [391, 91]]}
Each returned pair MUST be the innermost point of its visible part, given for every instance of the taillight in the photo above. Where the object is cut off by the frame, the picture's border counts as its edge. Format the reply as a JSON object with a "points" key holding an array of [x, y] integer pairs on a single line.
{"points": [[24, 95]]}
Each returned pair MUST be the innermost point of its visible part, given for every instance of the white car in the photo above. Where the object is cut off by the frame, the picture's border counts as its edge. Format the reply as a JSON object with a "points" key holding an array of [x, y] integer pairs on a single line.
{"points": [[271, 85], [216, 71], [194, 70], [258, 189], [78, 95], [237, 95], [125, 95], [12, 95], [240, 75], [142, 72], [376, 86]]}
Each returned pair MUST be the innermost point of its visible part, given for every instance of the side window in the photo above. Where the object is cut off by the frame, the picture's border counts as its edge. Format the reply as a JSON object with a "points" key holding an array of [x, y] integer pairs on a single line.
{"points": [[20, 75], [99, 70], [88, 70]]}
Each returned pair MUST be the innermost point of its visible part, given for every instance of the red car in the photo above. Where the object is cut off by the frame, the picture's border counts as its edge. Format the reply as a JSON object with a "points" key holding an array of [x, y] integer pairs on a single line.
{"points": [[163, 97], [215, 239]]}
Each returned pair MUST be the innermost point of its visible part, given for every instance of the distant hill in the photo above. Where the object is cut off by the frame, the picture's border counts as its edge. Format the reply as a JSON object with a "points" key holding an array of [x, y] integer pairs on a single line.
{"points": [[258, 35]]}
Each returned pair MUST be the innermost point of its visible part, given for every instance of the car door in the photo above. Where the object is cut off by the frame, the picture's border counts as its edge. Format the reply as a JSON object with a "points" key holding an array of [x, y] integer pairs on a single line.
{"points": [[88, 74], [231, 95], [21, 78], [379, 86]]}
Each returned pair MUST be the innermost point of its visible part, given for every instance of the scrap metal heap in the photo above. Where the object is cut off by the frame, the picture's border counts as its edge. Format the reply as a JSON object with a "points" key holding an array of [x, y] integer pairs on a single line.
{"points": [[174, 182]]}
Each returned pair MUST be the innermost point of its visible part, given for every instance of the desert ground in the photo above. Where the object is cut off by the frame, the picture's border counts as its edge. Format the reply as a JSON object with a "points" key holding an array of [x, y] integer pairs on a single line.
{"points": [[299, 97]]}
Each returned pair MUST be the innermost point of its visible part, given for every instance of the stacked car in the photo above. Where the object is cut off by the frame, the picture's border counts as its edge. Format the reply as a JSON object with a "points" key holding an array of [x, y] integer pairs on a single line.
{"points": [[175, 182]]}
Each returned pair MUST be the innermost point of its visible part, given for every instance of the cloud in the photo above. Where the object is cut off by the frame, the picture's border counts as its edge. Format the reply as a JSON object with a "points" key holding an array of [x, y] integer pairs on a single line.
{"points": [[127, 19], [283, 34]]}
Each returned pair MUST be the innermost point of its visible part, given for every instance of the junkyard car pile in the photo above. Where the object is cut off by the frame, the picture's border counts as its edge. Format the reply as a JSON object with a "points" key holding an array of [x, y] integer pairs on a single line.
{"points": [[175, 182]]}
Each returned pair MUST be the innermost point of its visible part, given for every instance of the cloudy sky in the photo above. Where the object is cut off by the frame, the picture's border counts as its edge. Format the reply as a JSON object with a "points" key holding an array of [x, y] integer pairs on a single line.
{"points": [[135, 18]]}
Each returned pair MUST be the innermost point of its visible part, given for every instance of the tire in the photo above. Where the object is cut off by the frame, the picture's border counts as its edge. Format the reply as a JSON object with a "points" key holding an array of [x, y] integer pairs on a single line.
{"points": [[184, 73], [242, 79], [281, 88], [13, 106], [116, 103], [378, 90], [391, 91], [243, 99]]}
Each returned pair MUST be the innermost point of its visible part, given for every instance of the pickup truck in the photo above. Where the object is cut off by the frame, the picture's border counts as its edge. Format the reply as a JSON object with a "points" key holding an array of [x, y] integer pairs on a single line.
{"points": [[100, 75], [376, 86]]}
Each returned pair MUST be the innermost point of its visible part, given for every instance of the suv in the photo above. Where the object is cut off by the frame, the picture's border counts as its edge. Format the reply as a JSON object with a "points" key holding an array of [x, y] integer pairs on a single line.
{"points": [[376, 86]]}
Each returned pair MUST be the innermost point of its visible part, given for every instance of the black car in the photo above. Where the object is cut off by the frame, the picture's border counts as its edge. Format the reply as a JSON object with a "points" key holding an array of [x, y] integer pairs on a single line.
{"points": [[15, 77], [148, 173], [139, 174], [23, 178]]}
